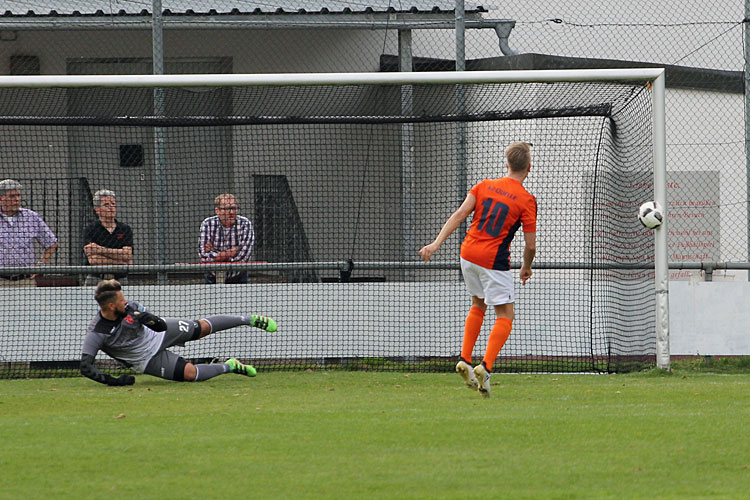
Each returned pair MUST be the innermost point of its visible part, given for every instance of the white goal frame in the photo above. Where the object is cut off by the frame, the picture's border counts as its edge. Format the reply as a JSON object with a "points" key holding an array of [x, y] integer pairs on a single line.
{"points": [[653, 75]]}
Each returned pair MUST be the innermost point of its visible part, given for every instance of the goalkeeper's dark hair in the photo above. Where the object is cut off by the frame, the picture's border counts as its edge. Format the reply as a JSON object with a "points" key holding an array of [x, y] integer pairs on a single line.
{"points": [[518, 155], [106, 291]]}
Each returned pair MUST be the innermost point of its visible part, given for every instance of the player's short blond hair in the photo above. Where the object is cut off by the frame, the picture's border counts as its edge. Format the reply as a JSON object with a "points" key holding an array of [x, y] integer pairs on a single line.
{"points": [[223, 196], [518, 155]]}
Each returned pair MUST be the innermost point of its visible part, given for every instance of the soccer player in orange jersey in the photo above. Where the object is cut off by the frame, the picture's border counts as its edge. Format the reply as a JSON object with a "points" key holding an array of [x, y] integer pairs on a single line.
{"points": [[500, 207]]}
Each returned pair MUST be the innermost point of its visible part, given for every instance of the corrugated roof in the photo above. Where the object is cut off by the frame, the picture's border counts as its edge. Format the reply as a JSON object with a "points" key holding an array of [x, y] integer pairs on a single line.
{"points": [[143, 7]]}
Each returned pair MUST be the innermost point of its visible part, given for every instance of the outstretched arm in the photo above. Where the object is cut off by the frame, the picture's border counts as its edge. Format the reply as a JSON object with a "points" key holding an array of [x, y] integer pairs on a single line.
{"points": [[529, 252], [450, 225], [89, 370]]}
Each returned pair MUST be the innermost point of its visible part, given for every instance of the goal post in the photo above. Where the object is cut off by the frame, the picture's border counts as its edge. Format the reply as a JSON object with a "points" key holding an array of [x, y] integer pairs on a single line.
{"points": [[661, 263], [334, 79], [343, 181]]}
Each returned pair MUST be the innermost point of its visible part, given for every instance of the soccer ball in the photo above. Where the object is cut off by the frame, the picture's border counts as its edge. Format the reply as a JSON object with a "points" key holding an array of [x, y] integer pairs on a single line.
{"points": [[651, 214]]}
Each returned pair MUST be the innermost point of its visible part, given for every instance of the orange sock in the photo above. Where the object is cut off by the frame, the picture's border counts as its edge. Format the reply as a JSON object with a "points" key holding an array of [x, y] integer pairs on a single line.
{"points": [[499, 334], [471, 331]]}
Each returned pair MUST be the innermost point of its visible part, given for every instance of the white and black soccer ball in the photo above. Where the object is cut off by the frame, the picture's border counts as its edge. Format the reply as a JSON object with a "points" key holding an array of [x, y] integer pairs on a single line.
{"points": [[651, 214]]}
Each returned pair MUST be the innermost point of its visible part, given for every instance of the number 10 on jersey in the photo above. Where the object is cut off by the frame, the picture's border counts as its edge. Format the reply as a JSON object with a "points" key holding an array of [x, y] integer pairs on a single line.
{"points": [[493, 217]]}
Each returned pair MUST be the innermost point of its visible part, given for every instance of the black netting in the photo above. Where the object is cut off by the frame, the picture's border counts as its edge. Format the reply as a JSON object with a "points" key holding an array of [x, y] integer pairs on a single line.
{"points": [[343, 185]]}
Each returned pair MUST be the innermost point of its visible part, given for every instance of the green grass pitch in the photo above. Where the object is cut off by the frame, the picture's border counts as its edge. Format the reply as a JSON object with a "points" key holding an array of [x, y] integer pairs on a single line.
{"points": [[378, 435]]}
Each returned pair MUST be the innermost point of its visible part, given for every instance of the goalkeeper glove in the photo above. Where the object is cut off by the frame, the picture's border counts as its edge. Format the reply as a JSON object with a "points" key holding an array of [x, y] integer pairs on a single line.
{"points": [[150, 320], [121, 380]]}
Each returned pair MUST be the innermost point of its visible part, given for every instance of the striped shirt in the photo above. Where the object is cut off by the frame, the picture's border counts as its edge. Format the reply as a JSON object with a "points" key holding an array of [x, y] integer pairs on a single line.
{"points": [[17, 236], [222, 238]]}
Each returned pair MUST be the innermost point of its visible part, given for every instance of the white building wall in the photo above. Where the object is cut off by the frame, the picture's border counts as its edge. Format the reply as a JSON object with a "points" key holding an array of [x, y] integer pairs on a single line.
{"points": [[705, 319], [695, 306]]}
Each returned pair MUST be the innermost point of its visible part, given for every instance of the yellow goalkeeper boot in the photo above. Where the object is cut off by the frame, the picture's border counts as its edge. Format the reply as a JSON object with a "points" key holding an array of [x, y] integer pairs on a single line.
{"points": [[464, 369]]}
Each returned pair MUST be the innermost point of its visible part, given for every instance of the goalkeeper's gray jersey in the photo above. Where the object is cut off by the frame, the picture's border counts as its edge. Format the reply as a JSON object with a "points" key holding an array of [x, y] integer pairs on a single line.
{"points": [[125, 339]]}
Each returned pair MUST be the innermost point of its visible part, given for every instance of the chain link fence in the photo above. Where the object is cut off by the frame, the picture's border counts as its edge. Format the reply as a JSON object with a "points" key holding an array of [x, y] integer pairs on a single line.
{"points": [[700, 44]]}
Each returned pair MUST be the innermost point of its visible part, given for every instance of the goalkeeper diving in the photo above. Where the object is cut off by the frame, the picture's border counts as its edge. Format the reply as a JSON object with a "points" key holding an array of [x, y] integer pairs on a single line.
{"points": [[128, 332]]}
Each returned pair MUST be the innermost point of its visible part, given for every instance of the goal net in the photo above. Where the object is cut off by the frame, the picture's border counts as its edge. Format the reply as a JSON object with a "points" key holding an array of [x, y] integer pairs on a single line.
{"points": [[344, 178]]}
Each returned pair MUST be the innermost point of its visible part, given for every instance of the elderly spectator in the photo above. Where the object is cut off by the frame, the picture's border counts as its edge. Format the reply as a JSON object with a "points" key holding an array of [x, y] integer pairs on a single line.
{"points": [[226, 237], [19, 229], [107, 241]]}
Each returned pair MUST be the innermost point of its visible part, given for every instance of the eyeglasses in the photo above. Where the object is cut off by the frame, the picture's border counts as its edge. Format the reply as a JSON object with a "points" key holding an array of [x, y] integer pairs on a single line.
{"points": [[227, 209]]}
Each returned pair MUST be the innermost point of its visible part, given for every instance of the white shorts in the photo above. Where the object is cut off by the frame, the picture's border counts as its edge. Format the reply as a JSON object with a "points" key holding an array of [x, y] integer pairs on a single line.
{"points": [[495, 287]]}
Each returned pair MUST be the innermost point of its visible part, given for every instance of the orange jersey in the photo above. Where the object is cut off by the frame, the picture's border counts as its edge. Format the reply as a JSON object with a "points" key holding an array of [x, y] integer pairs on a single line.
{"points": [[502, 206]]}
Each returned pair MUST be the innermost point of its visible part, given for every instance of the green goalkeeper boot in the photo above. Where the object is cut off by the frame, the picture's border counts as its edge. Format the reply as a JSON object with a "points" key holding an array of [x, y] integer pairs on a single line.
{"points": [[263, 322], [236, 367]]}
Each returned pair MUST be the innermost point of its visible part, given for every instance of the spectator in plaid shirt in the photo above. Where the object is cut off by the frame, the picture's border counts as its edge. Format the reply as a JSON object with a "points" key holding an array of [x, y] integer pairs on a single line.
{"points": [[226, 237]]}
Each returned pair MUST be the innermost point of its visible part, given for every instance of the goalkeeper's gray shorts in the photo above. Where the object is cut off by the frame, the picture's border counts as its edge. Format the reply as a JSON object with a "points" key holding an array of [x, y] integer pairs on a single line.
{"points": [[166, 364]]}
